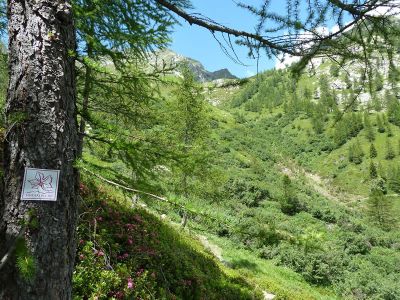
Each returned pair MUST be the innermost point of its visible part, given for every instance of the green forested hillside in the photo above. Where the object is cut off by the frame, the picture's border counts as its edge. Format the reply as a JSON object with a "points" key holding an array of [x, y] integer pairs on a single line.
{"points": [[305, 187], [241, 189], [279, 179]]}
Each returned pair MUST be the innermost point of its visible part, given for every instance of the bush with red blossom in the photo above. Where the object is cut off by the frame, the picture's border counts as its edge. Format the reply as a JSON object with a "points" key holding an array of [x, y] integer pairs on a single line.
{"points": [[130, 254]]}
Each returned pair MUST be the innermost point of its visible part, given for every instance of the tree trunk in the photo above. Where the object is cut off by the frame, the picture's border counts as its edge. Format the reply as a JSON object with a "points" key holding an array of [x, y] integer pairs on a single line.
{"points": [[42, 133]]}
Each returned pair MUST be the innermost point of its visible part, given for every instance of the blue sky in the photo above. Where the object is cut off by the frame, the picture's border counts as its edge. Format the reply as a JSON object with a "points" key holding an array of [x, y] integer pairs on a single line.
{"points": [[198, 43]]}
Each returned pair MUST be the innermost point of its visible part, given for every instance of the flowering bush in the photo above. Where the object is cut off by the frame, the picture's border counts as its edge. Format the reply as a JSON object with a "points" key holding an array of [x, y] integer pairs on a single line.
{"points": [[130, 254]]}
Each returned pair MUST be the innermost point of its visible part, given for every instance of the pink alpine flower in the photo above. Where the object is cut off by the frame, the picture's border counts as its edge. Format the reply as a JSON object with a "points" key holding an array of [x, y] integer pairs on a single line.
{"points": [[130, 283]]}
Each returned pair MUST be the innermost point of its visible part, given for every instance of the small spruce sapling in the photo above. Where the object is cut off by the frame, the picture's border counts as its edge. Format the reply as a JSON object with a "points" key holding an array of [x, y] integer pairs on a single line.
{"points": [[379, 122], [373, 172], [369, 130], [356, 153], [390, 154], [372, 151], [389, 131]]}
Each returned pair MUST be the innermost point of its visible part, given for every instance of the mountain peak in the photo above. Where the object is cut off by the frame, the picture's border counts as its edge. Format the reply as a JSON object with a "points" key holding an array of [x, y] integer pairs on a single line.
{"points": [[170, 59]]}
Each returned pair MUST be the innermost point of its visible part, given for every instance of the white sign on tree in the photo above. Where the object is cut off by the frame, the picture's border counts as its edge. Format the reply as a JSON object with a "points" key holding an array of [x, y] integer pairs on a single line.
{"points": [[40, 184]]}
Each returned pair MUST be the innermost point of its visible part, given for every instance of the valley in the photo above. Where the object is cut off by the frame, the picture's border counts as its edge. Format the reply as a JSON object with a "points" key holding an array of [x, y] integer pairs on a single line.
{"points": [[281, 201]]}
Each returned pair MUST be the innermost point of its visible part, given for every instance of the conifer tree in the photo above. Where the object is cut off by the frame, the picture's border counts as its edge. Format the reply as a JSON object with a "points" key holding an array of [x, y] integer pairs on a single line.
{"points": [[390, 154], [189, 112], [356, 153], [351, 153], [393, 76], [378, 81], [189, 129], [44, 47], [382, 171], [379, 122], [42, 134], [372, 151], [376, 103], [120, 32], [385, 120], [393, 108], [369, 130], [373, 173], [327, 98], [42, 85], [334, 70], [380, 208], [314, 15], [351, 101], [317, 123], [290, 204], [389, 131], [394, 178]]}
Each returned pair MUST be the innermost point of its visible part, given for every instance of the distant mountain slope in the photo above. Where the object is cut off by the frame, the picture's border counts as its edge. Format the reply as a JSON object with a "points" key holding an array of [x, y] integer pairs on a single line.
{"points": [[170, 59]]}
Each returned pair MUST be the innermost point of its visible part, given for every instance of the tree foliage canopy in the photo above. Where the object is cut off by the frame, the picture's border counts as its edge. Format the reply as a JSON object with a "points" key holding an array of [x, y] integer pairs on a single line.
{"points": [[116, 29]]}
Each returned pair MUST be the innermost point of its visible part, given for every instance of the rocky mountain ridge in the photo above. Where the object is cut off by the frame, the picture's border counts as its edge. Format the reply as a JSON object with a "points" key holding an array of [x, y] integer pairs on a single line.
{"points": [[168, 59]]}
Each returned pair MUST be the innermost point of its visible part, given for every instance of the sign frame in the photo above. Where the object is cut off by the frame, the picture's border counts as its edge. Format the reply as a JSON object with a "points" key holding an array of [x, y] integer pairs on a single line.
{"points": [[43, 180]]}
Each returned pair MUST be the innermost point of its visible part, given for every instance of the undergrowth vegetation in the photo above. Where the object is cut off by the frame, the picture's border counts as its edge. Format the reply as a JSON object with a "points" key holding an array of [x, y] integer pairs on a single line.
{"points": [[128, 253]]}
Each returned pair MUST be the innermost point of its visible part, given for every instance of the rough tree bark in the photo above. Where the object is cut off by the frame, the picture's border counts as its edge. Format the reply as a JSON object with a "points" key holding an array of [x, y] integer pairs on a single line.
{"points": [[42, 133]]}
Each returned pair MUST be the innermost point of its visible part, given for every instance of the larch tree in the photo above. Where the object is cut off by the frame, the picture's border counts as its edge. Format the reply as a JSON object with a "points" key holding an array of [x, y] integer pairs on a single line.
{"points": [[189, 125], [380, 207], [116, 89], [37, 238], [41, 133], [114, 36]]}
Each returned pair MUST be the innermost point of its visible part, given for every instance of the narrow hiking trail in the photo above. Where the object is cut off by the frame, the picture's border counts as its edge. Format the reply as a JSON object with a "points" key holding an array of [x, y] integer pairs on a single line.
{"points": [[217, 252]]}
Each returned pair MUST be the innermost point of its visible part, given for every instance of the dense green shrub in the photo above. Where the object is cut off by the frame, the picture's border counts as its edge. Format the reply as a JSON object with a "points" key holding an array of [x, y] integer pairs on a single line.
{"points": [[247, 192], [356, 244], [364, 281], [319, 267]]}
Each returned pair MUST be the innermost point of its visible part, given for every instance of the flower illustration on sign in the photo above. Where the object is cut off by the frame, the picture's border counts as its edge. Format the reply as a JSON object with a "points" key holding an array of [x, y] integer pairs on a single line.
{"points": [[42, 183]]}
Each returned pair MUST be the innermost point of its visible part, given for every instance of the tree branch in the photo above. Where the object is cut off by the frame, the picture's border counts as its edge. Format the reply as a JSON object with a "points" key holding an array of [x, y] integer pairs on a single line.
{"points": [[213, 27], [300, 45]]}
